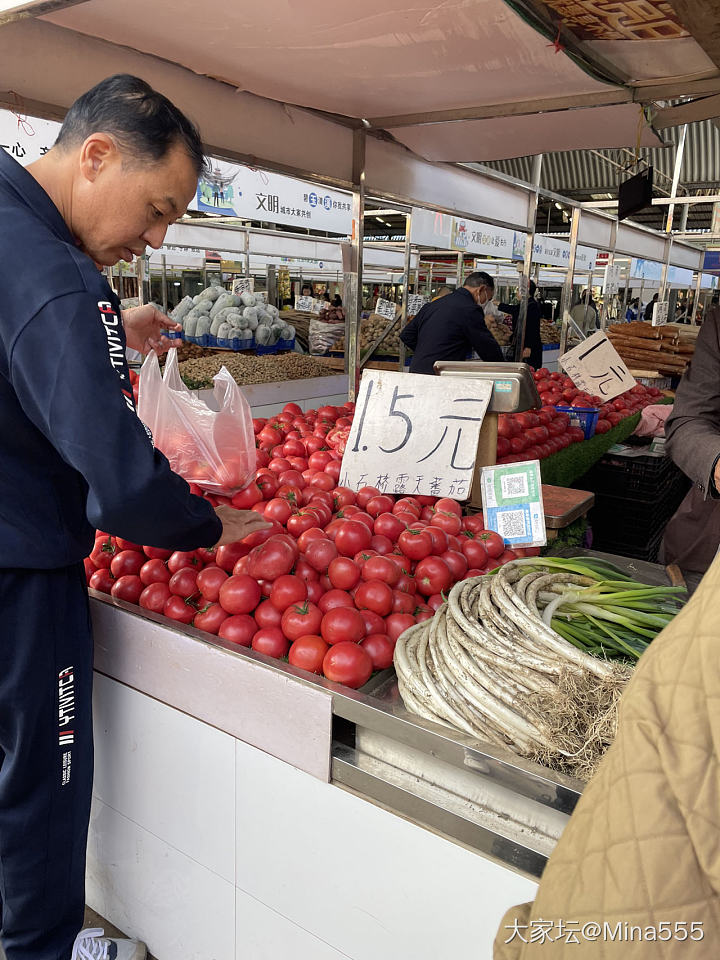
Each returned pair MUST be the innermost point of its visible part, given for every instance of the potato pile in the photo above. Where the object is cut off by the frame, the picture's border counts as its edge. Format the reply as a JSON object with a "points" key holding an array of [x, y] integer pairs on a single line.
{"points": [[549, 332], [247, 370], [370, 330], [500, 330]]}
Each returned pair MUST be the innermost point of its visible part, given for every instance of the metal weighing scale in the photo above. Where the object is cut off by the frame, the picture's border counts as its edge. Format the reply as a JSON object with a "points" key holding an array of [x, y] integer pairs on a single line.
{"points": [[514, 390]]}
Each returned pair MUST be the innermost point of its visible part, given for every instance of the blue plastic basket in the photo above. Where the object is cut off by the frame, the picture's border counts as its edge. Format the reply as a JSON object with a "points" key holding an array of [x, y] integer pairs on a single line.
{"points": [[238, 344], [174, 334], [261, 349], [584, 417]]}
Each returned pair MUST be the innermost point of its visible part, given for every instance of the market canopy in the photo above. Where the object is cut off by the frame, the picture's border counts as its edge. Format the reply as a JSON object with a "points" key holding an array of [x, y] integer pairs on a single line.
{"points": [[441, 79]]}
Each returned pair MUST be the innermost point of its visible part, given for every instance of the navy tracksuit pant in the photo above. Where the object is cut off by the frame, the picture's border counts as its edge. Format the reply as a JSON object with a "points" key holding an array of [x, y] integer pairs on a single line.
{"points": [[46, 759]]}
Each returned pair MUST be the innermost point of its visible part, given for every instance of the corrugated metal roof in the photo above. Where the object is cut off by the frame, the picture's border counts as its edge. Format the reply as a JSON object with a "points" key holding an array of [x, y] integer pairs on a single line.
{"points": [[582, 171]]}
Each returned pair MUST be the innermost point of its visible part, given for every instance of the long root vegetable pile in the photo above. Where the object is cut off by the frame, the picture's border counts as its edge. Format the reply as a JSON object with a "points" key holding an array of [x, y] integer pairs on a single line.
{"points": [[494, 661]]}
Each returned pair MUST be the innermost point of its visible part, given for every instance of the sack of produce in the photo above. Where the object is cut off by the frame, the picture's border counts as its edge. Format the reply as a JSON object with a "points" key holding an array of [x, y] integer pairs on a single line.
{"points": [[248, 299], [323, 336], [223, 301], [182, 310], [213, 448]]}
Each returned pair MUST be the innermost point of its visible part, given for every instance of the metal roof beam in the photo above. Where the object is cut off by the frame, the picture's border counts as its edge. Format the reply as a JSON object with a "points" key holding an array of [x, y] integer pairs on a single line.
{"points": [[707, 108]]}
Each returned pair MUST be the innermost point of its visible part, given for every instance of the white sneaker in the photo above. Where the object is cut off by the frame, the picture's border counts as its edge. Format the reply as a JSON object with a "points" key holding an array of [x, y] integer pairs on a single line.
{"points": [[92, 944]]}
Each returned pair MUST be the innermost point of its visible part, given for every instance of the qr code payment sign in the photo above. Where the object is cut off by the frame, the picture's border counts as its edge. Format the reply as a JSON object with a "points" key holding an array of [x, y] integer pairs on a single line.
{"points": [[515, 486], [513, 505], [513, 524]]}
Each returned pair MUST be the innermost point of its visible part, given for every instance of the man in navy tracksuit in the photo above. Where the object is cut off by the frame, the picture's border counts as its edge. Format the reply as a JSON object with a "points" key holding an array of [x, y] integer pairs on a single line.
{"points": [[75, 457]]}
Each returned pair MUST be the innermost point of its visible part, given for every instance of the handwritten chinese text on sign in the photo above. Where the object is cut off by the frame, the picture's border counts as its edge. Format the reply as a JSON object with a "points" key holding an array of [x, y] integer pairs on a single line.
{"points": [[415, 435], [595, 367]]}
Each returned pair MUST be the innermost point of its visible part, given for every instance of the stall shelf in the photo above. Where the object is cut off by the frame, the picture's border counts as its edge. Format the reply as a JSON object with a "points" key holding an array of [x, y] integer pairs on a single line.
{"points": [[267, 399]]}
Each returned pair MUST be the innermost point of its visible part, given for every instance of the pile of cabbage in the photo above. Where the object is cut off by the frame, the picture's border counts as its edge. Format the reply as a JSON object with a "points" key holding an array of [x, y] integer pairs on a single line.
{"points": [[226, 316]]}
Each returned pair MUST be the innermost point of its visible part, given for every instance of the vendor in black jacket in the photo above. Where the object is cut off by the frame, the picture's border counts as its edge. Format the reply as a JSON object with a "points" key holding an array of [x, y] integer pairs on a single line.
{"points": [[75, 457], [452, 327]]}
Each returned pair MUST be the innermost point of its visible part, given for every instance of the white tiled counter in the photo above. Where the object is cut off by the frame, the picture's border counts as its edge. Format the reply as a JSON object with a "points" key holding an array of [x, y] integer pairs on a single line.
{"points": [[241, 811]]}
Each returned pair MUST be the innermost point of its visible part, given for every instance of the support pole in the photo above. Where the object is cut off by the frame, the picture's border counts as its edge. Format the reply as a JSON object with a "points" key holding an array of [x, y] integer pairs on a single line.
{"points": [[610, 263], [696, 306], [460, 267], [406, 289], [527, 260], [566, 301], [164, 283], [353, 278]]}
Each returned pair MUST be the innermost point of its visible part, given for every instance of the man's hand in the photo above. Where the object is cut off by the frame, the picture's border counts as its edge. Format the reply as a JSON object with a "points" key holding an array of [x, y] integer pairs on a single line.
{"points": [[143, 329], [238, 524]]}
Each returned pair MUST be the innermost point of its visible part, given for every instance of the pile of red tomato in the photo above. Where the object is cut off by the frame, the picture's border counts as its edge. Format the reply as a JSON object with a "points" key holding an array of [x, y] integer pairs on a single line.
{"points": [[334, 581], [537, 434]]}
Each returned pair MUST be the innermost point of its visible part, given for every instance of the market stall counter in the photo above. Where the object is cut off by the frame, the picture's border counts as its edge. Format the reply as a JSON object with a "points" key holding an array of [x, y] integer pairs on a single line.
{"points": [[243, 807]]}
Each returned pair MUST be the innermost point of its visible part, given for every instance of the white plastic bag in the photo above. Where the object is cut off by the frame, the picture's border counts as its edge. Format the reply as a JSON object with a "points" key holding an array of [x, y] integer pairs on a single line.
{"points": [[213, 448]]}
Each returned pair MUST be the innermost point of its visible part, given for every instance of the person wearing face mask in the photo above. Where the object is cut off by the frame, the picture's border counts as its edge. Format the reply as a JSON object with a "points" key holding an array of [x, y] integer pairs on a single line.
{"points": [[452, 327], [74, 457]]}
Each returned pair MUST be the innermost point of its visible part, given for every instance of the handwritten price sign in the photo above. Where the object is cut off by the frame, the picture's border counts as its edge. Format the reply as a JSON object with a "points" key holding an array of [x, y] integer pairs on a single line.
{"points": [[395, 446], [595, 366], [385, 308]]}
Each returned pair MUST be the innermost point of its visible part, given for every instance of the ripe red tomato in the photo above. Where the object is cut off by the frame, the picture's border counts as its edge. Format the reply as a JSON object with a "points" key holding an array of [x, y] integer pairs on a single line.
{"points": [[154, 571], [448, 521], [271, 559], [375, 595], [348, 663], [457, 562], [301, 619], [277, 509], [154, 597], [493, 543], [240, 594], [247, 497], [315, 590], [343, 623], [506, 557], [343, 573], [352, 537], [381, 649], [209, 581], [388, 525], [320, 554], [415, 543], [102, 580], [408, 504], [436, 600], [365, 495], [381, 545], [210, 618], [127, 587], [335, 598], [474, 550], [127, 562], [343, 497], [228, 555], [398, 623], [271, 642], [156, 553], [380, 504], [287, 590], [381, 568], [403, 602], [439, 538], [184, 583], [183, 558], [308, 653], [432, 575], [266, 615]]}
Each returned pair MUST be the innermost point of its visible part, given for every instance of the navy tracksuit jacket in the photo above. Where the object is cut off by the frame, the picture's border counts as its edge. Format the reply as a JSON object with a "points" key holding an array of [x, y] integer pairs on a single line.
{"points": [[73, 457]]}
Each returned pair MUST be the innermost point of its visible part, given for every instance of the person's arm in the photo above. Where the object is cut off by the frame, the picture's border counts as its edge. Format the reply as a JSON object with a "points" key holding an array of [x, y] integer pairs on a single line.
{"points": [[61, 370], [479, 337], [693, 428], [409, 333]]}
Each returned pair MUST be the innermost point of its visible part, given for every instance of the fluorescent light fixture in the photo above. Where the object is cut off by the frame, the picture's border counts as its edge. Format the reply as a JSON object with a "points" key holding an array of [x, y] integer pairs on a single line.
{"points": [[558, 205], [380, 219]]}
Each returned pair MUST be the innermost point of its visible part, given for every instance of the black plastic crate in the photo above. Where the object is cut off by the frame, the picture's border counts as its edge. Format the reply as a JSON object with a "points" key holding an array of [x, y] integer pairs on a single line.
{"points": [[634, 477], [648, 551], [622, 524]]}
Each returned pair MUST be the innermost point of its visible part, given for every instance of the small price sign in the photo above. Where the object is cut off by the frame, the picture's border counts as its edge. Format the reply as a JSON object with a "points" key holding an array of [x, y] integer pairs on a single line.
{"points": [[394, 445], [306, 304], [243, 285], [611, 282], [416, 301], [595, 366], [513, 503], [385, 309], [660, 313]]}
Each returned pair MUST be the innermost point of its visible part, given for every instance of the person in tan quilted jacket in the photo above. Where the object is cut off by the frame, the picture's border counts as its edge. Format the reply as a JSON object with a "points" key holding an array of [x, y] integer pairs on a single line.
{"points": [[636, 873]]}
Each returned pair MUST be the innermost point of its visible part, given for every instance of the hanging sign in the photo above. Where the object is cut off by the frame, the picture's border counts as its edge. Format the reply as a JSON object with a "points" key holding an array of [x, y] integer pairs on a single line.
{"points": [[513, 503], [595, 367], [394, 446], [385, 309], [239, 191], [612, 279], [660, 313], [415, 303], [243, 285]]}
